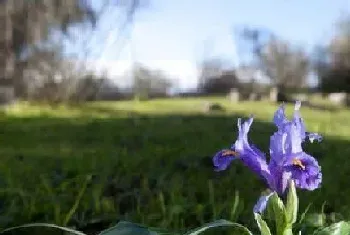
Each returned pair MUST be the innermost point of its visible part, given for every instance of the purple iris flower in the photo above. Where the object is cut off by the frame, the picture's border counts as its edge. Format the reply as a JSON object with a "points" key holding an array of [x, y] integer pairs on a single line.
{"points": [[287, 159]]}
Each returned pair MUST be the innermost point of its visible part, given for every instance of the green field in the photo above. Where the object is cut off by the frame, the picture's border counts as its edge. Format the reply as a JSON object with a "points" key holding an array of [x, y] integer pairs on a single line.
{"points": [[149, 162]]}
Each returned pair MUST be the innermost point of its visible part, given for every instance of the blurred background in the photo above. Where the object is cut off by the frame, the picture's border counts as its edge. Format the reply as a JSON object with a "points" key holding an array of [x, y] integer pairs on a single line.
{"points": [[112, 109], [98, 50]]}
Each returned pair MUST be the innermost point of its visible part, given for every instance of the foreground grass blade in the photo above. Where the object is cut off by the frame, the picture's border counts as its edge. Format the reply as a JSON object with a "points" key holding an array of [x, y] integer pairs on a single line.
{"points": [[72, 231], [77, 201], [340, 228], [218, 223], [128, 228], [264, 229]]}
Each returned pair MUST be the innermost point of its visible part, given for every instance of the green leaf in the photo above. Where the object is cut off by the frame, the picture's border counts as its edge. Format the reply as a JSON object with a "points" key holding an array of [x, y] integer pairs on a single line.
{"points": [[44, 225], [340, 228], [288, 231], [292, 204], [264, 229], [279, 212], [315, 219], [218, 223], [128, 228], [335, 217]]}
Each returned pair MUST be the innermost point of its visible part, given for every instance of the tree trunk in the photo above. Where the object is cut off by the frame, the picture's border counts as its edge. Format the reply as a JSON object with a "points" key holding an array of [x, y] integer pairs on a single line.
{"points": [[281, 93], [7, 57]]}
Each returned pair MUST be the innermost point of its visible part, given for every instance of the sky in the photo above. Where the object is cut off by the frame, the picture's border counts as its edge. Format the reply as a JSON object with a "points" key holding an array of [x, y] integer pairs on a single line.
{"points": [[173, 35]]}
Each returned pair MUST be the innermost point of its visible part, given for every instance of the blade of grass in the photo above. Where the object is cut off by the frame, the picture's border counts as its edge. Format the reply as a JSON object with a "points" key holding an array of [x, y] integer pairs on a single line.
{"points": [[212, 198], [234, 208], [43, 225], [57, 208], [77, 201]]}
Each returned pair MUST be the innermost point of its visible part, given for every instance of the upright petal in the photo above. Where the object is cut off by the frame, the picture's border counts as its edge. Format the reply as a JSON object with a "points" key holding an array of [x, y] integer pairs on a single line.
{"points": [[293, 140], [243, 130], [284, 124], [280, 118], [287, 140], [298, 121], [242, 143], [288, 161], [278, 146]]}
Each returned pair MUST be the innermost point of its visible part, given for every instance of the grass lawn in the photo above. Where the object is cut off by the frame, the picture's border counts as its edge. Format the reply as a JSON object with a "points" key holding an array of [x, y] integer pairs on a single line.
{"points": [[149, 162]]}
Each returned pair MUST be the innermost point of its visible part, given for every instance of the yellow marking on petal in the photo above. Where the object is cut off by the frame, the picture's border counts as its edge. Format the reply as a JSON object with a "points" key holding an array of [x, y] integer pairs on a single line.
{"points": [[229, 153], [297, 162]]}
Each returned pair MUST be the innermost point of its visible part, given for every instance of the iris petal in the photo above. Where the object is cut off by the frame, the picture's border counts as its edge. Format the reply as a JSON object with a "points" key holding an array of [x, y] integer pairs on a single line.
{"points": [[307, 177], [261, 204], [298, 121], [279, 117], [250, 155], [314, 136], [287, 158], [221, 161]]}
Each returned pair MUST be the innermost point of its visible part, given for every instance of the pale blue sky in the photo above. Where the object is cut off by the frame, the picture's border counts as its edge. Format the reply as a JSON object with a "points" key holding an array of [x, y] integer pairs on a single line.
{"points": [[172, 34]]}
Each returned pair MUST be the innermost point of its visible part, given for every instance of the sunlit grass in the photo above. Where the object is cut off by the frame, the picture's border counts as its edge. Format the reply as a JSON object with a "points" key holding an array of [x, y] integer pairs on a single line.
{"points": [[333, 122], [149, 162]]}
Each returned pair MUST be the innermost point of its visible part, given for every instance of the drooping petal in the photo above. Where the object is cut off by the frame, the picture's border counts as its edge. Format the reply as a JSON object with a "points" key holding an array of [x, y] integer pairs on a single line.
{"points": [[261, 204], [305, 171], [250, 155], [223, 159], [258, 151]]}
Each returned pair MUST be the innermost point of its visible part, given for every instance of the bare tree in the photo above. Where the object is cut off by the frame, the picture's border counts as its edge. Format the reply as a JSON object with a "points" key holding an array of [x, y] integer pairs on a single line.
{"points": [[216, 76], [210, 68], [34, 25], [333, 64], [287, 67], [30, 22], [284, 64], [203, 61], [149, 83], [7, 58]]}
